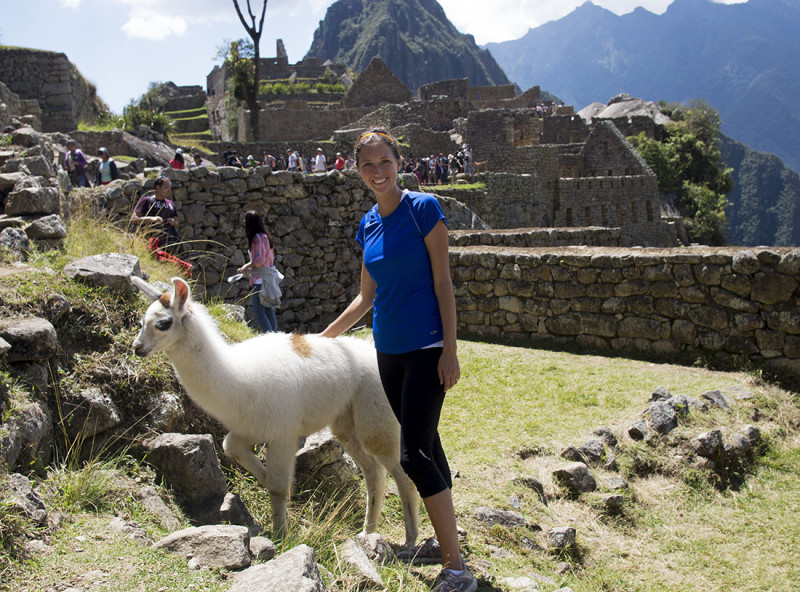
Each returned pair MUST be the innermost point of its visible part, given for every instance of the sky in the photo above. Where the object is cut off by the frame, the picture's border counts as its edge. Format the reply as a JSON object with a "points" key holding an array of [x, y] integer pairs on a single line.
{"points": [[122, 46]]}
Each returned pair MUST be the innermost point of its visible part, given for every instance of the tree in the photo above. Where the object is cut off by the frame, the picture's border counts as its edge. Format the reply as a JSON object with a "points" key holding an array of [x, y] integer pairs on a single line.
{"points": [[251, 91], [688, 161]]}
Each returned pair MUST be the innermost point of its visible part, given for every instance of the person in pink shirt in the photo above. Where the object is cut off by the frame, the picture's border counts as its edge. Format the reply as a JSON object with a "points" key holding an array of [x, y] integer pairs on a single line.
{"points": [[261, 246]]}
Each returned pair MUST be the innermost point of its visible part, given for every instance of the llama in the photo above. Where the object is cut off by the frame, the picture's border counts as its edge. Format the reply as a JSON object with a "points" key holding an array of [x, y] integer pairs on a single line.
{"points": [[277, 388]]}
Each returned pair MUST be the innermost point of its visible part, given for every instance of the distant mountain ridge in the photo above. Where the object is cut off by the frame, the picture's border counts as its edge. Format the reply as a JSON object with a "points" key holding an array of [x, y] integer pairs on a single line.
{"points": [[413, 37], [742, 58]]}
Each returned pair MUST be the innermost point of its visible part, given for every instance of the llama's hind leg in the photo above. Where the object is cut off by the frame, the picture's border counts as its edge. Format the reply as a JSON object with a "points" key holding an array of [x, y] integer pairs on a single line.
{"points": [[277, 480], [409, 498], [374, 478]]}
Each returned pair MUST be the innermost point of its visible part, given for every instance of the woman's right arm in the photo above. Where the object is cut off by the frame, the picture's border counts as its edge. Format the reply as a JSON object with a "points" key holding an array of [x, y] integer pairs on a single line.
{"points": [[356, 309]]}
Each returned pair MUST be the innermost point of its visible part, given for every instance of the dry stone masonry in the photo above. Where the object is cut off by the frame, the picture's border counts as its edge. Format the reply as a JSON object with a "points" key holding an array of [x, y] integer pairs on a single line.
{"points": [[730, 304]]}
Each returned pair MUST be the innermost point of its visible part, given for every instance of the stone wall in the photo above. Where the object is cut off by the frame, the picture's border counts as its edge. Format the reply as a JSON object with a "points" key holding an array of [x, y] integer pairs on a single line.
{"points": [[631, 203], [314, 219], [376, 85], [457, 88], [12, 107], [725, 304], [64, 96], [298, 124]]}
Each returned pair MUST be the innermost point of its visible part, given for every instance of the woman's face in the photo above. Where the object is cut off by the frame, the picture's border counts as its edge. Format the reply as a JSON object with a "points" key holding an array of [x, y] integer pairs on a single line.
{"points": [[378, 167]]}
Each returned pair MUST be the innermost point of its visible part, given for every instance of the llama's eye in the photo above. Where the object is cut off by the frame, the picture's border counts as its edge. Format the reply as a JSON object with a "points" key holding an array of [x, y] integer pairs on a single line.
{"points": [[164, 324]]}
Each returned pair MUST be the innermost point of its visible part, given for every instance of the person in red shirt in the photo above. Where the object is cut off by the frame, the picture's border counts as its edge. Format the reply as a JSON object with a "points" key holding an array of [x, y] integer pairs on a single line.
{"points": [[339, 163], [177, 161]]}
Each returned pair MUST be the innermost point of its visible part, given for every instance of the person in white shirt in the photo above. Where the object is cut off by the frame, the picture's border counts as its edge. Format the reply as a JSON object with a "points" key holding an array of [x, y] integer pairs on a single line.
{"points": [[292, 162], [320, 163]]}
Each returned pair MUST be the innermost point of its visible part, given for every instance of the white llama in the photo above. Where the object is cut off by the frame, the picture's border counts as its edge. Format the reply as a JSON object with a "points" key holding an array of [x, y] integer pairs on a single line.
{"points": [[276, 388]]}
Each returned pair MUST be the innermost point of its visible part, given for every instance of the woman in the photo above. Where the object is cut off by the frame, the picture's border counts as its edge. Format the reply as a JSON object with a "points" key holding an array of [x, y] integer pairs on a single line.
{"points": [[107, 169], [177, 161], [405, 276], [261, 246]]}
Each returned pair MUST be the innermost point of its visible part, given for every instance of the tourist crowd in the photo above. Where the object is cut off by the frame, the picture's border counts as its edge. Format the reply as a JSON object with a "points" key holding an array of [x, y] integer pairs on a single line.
{"points": [[436, 169]]}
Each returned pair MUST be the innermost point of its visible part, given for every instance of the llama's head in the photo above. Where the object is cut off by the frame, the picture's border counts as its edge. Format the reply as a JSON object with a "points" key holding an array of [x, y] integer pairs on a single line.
{"points": [[162, 323]]}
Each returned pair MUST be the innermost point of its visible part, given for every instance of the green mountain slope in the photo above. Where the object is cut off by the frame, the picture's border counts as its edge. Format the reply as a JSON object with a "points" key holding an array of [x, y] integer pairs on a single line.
{"points": [[742, 58], [765, 201], [413, 37]]}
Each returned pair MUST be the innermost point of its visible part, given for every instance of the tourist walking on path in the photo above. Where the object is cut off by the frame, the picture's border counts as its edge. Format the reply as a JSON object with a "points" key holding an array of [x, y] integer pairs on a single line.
{"points": [[76, 164], [261, 268], [405, 278]]}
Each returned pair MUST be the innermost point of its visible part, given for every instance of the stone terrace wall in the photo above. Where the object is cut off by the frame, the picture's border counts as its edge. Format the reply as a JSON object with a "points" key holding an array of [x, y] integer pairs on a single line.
{"points": [[314, 219], [726, 304], [64, 96], [299, 124], [509, 201]]}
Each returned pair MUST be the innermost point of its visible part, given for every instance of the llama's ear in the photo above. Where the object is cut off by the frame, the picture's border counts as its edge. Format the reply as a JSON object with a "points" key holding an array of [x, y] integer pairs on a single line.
{"points": [[180, 294], [151, 292]]}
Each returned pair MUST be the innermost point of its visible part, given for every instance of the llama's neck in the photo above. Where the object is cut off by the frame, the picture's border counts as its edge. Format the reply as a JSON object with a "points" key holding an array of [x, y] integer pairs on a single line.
{"points": [[201, 359]]}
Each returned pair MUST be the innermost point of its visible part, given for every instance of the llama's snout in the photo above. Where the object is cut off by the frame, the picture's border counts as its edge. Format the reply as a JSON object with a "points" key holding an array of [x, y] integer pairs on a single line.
{"points": [[139, 349]]}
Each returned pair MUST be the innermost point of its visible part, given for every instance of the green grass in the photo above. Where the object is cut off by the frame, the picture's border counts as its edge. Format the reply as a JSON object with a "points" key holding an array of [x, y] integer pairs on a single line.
{"points": [[186, 113], [461, 187]]}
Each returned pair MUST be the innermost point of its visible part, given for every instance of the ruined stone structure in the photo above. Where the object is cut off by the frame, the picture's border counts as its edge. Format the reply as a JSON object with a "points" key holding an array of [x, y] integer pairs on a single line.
{"points": [[377, 85], [64, 96], [13, 108]]}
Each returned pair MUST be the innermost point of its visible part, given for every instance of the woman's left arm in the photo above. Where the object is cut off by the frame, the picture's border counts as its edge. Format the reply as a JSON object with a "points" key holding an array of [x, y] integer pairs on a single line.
{"points": [[437, 243]]}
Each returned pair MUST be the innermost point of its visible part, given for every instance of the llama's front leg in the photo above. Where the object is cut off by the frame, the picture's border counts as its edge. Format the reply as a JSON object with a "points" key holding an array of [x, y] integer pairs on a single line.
{"points": [[278, 481], [241, 450]]}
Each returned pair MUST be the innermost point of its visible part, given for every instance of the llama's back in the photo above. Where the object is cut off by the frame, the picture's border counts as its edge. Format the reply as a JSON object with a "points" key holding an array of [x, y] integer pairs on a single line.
{"points": [[297, 381]]}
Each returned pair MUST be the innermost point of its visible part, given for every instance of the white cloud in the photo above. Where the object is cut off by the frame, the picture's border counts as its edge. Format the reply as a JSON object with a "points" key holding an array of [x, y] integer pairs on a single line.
{"points": [[72, 4], [155, 27], [158, 20]]}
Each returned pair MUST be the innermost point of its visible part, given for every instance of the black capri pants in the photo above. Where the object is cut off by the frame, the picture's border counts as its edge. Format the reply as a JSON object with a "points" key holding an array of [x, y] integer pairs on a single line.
{"points": [[411, 382]]}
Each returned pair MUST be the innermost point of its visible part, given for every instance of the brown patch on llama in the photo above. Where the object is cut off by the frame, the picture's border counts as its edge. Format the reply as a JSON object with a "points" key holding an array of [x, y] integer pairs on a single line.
{"points": [[300, 345]]}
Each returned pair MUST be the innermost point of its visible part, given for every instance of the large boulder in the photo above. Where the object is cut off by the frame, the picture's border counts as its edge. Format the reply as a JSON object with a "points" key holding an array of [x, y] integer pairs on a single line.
{"points": [[111, 270], [25, 500], [90, 413], [219, 546], [31, 339], [294, 570], [27, 436], [31, 200], [189, 465], [16, 242]]}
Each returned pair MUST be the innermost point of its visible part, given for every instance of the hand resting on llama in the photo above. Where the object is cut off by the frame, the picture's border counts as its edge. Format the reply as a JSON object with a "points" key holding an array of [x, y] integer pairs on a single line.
{"points": [[276, 388]]}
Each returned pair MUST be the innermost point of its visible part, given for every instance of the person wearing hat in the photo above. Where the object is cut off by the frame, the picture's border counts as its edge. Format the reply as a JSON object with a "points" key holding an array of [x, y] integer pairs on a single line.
{"points": [[320, 162], [251, 162], [339, 164], [76, 164], [107, 169], [177, 161]]}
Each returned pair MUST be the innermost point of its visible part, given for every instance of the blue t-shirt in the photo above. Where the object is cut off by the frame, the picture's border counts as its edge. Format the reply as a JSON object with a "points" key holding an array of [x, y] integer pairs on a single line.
{"points": [[405, 312]]}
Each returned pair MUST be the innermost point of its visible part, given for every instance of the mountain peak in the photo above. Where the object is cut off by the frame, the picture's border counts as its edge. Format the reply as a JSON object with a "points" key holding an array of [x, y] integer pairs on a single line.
{"points": [[414, 39]]}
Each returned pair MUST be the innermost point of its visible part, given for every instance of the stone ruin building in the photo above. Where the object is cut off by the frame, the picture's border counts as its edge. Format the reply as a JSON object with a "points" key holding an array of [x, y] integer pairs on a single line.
{"points": [[545, 161]]}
